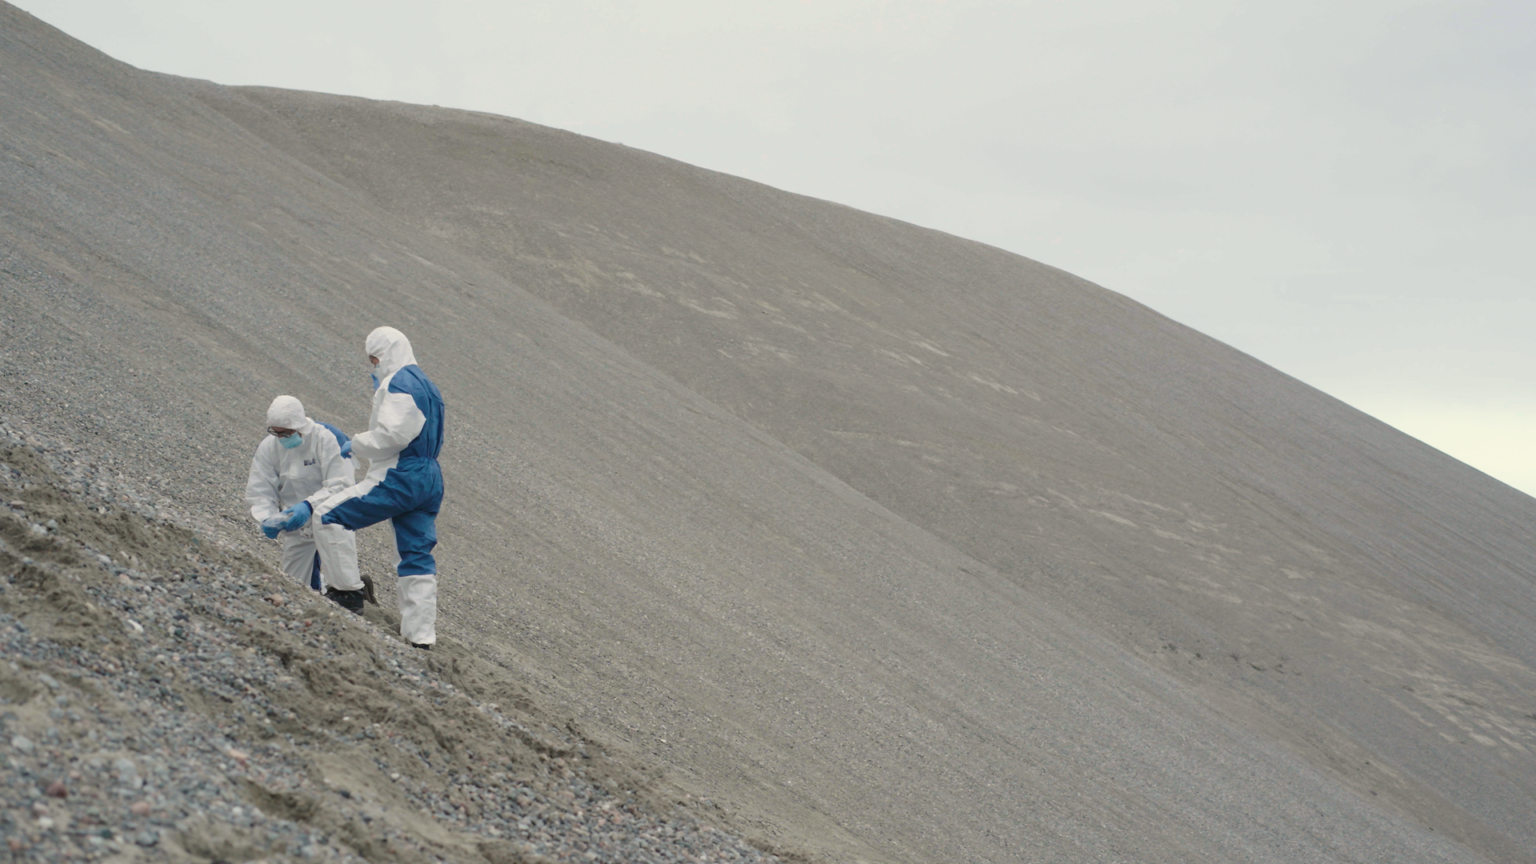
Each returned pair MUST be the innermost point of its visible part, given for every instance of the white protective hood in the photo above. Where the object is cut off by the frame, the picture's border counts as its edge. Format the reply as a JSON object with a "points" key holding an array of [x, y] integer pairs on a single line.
{"points": [[287, 412], [392, 349]]}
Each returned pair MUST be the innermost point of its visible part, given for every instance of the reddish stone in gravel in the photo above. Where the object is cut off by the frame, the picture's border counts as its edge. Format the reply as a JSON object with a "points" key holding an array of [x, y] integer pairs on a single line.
{"points": [[15, 844], [139, 808], [276, 600], [57, 789]]}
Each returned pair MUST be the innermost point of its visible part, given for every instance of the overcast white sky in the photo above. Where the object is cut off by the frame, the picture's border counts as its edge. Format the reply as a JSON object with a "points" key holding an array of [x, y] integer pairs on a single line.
{"points": [[1342, 188]]}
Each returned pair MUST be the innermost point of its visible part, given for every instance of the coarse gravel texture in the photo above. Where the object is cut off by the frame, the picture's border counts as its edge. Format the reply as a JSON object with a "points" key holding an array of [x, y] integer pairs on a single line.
{"points": [[893, 546], [166, 698]]}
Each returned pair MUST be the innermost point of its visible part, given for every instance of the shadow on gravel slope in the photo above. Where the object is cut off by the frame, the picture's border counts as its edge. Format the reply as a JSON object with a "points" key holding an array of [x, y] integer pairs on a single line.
{"points": [[163, 699]]}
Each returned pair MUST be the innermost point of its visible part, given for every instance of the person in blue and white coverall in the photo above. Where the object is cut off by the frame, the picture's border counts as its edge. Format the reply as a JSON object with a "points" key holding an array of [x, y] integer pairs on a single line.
{"points": [[302, 461], [404, 482]]}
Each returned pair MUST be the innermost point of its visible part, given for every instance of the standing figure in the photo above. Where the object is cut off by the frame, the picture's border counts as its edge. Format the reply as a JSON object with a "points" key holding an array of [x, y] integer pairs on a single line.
{"points": [[404, 483], [299, 463]]}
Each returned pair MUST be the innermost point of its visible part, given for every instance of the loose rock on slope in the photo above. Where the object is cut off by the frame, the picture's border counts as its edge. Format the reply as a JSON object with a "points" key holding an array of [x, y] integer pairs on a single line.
{"points": [[164, 699]]}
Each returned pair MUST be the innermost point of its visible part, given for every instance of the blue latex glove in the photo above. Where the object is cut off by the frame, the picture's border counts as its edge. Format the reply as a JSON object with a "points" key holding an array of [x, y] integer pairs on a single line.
{"points": [[292, 519], [298, 516], [269, 526]]}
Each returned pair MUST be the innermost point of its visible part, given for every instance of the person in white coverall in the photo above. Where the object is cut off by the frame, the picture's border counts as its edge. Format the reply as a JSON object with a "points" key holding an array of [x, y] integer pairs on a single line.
{"points": [[301, 460], [404, 482]]}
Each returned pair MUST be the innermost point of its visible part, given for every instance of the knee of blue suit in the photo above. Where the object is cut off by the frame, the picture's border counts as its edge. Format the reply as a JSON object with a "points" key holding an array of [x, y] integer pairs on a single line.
{"points": [[413, 486], [415, 538]]}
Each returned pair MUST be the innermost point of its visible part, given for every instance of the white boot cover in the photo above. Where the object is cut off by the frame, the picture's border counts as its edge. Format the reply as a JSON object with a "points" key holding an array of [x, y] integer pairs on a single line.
{"points": [[338, 557], [418, 608]]}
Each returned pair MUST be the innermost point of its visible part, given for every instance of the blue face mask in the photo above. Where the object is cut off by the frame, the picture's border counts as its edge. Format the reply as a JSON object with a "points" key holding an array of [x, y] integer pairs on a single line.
{"points": [[291, 441]]}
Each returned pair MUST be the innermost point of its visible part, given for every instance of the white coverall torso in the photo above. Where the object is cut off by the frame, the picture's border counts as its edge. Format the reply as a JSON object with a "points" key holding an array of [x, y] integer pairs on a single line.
{"points": [[312, 471]]}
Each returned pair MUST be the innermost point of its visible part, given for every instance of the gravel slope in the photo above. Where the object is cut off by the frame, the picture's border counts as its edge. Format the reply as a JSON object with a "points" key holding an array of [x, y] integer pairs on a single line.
{"points": [[891, 546], [163, 698]]}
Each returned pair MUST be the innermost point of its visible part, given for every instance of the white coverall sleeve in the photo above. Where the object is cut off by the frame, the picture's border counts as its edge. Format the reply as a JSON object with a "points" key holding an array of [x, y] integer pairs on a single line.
{"points": [[261, 487], [397, 423], [336, 471]]}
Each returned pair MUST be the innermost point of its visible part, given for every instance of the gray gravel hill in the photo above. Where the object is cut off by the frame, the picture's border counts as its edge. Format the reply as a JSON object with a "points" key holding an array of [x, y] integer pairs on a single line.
{"points": [[893, 546]]}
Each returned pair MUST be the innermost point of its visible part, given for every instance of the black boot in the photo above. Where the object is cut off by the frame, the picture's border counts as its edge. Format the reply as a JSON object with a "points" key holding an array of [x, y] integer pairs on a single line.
{"points": [[425, 646], [368, 591], [352, 601]]}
